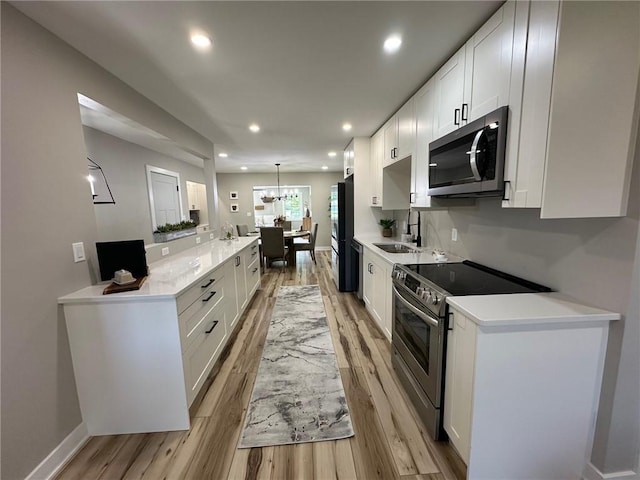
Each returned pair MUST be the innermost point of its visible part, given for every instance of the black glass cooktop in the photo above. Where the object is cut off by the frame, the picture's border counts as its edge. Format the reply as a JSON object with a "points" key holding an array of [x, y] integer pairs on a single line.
{"points": [[469, 278]]}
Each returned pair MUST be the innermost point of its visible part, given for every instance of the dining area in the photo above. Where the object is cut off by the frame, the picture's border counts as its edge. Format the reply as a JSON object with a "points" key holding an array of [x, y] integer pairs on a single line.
{"points": [[280, 244]]}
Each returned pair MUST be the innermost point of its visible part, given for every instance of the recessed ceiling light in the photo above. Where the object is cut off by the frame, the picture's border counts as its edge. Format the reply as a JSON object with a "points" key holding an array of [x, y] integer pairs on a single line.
{"points": [[201, 41], [243, 168], [332, 154], [254, 127], [346, 127], [324, 167], [223, 155], [392, 44]]}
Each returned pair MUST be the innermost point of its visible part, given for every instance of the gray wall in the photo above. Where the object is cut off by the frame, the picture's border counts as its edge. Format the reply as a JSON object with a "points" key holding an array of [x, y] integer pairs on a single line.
{"points": [[46, 207], [243, 184], [593, 260], [124, 165]]}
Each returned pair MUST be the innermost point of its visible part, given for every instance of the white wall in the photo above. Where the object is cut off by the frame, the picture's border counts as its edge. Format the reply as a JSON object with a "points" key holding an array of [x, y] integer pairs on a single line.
{"points": [[124, 165], [243, 183], [45, 208]]}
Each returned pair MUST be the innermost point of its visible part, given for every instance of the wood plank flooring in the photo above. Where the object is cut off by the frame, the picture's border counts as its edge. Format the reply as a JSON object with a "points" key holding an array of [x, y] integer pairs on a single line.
{"points": [[389, 443]]}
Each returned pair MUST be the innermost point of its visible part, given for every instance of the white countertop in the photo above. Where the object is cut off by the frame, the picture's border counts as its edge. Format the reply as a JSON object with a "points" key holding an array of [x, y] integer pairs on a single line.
{"points": [[424, 254], [527, 309], [169, 277]]}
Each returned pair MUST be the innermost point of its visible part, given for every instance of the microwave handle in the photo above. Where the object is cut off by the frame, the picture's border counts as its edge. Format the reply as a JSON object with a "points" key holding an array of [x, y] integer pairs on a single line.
{"points": [[472, 156]]}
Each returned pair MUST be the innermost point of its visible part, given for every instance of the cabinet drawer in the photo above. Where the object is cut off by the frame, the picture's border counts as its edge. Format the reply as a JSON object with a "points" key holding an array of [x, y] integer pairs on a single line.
{"points": [[253, 277], [251, 254], [197, 312], [207, 339], [204, 286]]}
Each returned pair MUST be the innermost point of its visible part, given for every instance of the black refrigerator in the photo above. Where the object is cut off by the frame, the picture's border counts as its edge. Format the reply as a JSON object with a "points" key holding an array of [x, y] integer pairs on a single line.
{"points": [[342, 234]]}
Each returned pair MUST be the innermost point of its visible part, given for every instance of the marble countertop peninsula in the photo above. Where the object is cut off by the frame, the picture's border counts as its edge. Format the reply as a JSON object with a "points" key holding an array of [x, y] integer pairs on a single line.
{"points": [[169, 277]]}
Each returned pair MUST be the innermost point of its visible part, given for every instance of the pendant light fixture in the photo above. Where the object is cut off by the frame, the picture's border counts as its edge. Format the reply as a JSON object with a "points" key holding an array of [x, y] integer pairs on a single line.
{"points": [[266, 198]]}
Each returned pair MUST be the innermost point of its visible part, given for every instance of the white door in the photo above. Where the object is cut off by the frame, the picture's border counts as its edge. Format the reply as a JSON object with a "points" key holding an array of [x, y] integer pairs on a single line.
{"points": [[166, 198]]}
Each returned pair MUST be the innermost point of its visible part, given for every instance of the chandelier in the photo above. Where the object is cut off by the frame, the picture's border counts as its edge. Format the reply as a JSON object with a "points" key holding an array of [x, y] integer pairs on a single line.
{"points": [[268, 197]]}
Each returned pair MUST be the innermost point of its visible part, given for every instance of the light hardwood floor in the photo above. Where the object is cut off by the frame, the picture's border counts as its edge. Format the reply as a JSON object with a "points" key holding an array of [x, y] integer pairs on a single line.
{"points": [[389, 442]]}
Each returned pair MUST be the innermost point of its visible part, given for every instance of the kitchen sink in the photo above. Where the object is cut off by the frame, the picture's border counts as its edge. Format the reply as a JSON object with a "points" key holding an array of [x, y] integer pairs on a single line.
{"points": [[394, 248]]}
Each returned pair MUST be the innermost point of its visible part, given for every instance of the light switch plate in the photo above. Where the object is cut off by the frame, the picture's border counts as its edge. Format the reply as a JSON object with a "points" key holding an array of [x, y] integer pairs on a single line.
{"points": [[198, 240], [211, 236], [248, 214], [165, 251], [78, 252], [454, 234]]}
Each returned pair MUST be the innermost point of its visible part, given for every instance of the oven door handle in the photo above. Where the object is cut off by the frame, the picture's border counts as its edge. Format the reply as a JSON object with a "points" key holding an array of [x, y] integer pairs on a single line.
{"points": [[419, 313]]}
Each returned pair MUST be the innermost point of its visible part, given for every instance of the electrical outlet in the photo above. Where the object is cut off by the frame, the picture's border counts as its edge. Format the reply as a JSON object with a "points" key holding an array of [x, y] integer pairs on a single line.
{"points": [[165, 251], [78, 252], [211, 236], [454, 234], [198, 240]]}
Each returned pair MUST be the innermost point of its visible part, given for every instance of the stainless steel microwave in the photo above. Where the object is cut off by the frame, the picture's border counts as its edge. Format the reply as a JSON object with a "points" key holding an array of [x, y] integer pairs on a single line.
{"points": [[469, 162]]}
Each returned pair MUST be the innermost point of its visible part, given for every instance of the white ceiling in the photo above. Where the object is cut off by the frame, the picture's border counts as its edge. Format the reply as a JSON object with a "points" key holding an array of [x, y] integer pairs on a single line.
{"points": [[298, 69]]}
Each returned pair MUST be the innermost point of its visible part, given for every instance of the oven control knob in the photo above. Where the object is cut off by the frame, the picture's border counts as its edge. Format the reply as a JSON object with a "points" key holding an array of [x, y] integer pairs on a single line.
{"points": [[419, 291], [426, 294], [435, 300]]}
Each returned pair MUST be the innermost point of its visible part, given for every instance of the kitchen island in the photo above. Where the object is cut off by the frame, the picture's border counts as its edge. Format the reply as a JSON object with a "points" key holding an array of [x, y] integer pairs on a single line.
{"points": [[141, 357]]}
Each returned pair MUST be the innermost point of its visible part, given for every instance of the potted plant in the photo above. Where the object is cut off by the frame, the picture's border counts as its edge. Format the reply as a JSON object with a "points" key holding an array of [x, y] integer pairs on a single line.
{"points": [[387, 223], [173, 231]]}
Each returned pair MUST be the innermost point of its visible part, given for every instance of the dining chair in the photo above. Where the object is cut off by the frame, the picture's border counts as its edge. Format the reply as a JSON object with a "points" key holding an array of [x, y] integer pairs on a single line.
{"points": [[286, 225], [243, 230], [273, 246], [300, 245]]}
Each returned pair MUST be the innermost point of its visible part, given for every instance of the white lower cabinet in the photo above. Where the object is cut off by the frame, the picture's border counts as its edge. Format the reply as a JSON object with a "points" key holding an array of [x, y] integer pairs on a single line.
{"points": [[377, 290], [140, 360], [521, 396], [461, 352]]}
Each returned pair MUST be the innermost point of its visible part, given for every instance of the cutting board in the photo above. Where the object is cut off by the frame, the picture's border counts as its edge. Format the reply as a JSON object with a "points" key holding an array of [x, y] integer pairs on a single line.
{"points": [[115, 288]]}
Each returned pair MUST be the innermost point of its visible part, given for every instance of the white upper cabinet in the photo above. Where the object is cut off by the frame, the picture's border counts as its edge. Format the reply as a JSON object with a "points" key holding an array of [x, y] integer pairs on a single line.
{"points": [[349, 157], [449, 94], [406, 130], [377, 154], [578, 119], [424, 102], [399, 134], [594, 114], [488, 54], [477, 79]]}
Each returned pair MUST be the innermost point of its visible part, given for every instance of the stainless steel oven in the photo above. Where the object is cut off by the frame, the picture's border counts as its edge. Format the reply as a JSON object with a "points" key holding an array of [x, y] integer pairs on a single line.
{"points": [[418, 351]]}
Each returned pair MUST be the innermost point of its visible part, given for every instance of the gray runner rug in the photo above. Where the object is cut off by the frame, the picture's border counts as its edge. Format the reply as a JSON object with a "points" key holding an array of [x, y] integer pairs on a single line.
{"points": [[298, 395]]}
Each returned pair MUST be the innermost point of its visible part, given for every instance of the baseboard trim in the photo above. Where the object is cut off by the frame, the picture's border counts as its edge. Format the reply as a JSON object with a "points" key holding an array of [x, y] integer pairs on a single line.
{"points": [[60, 456], [592, 473]]}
